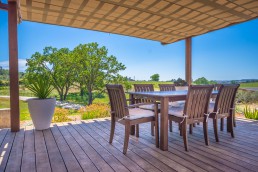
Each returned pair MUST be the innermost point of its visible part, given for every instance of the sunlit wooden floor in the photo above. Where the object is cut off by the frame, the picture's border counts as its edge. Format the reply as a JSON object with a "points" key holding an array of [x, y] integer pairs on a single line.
{"points": [[83, 146]]}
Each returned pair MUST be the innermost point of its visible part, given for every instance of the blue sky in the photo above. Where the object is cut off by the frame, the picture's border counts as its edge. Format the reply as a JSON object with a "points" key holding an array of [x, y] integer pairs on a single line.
{"points": [[230, 53]]}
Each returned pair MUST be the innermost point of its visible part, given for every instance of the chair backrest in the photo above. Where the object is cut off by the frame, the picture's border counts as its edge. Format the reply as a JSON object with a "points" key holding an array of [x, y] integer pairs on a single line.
{"points": [[226, 98], [167, 87], [217, 87], [197, 101], [143, 88], [117, 100]]}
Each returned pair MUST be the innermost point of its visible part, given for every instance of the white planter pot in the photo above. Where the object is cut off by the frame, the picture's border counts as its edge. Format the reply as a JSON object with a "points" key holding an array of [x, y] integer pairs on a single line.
{"points": [[41, 112]]}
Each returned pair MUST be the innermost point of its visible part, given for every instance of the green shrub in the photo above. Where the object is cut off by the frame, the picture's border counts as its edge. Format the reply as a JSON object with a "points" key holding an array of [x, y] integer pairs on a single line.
{"points": [[246, 97], [180, 82], [251, 113], [61, 115], [95, 111]]}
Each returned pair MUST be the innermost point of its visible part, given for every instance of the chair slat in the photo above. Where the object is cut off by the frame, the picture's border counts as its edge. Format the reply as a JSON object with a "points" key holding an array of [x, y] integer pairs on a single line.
{"points": [[167, 87], [117, 100], [226, 97], [143, 88], [197, 101]]}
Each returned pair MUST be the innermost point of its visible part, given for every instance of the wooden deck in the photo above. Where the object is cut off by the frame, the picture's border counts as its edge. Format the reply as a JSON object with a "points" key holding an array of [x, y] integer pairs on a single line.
{"points": [[83, 146]]}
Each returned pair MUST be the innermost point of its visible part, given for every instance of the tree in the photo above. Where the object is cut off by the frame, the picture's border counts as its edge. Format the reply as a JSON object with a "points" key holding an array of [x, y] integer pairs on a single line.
{"points": [[233, 82], [154, 77], [4, 74], [95, 68], [212, 82], [55, 63], [201, 81]]}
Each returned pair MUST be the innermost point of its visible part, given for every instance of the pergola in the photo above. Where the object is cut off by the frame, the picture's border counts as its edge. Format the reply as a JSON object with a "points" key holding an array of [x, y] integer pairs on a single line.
{"points": [[166, 21]]}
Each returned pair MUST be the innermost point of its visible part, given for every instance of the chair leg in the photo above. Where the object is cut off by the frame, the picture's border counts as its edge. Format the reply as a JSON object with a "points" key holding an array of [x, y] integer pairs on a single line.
{"points": [[137, 130], [215, 127], [234, 119], [112, 131], [229, 121], [180, 130], [152, 128], [205, 132], [221, 124], [231, 125], [191, 128], [170, 125], [156, 122], [126, 139], [184, 131], [157, 133]]}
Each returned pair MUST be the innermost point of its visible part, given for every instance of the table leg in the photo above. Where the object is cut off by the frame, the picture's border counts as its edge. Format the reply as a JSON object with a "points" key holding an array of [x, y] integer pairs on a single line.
{"points": [[164, 124], [132, 101]]}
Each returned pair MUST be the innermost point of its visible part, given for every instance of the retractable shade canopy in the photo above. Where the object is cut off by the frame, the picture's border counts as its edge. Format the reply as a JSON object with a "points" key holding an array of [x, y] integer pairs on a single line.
{"points": [[166, 21]]}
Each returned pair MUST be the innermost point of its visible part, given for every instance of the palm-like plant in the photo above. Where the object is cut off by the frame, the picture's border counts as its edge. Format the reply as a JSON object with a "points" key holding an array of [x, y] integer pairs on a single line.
{"points": [[40, 86]]}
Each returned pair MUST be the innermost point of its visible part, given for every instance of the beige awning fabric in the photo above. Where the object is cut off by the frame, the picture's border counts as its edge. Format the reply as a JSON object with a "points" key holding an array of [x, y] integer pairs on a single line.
{"points": [[166, 21]]}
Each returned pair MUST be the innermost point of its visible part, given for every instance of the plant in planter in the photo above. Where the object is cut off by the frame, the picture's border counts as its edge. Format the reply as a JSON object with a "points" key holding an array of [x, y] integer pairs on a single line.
{"points": [[41, 108]]}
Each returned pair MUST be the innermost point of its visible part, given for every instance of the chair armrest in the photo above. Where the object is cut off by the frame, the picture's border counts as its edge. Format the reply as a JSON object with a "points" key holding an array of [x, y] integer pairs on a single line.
{"points": [[185, 116]]}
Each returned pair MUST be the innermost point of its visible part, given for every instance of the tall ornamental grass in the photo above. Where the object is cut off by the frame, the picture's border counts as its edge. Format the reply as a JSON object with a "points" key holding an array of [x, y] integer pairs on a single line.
{"points": [[251, 113]]}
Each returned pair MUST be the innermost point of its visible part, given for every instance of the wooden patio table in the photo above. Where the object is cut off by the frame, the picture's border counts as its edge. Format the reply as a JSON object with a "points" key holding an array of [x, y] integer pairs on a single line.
{"points": [[163, 97]]}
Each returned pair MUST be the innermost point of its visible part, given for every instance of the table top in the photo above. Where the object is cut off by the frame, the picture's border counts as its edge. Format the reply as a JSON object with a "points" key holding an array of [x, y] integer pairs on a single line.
{"points": [[164, 93]]}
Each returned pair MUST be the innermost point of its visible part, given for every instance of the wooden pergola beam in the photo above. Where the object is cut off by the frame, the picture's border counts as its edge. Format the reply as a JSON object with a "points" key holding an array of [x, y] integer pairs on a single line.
{"points": [[188, 60], [3, 6], [13, 66]]}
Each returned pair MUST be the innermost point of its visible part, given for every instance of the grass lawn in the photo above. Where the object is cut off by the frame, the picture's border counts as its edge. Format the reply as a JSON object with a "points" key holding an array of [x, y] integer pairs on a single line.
{"points": [[155, 83], [24, 111], [248, 85]]}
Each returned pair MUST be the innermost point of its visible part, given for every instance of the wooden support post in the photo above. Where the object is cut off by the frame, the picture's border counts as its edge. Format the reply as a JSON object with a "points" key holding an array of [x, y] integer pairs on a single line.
{"points": [[188, 60], [13, 65]]}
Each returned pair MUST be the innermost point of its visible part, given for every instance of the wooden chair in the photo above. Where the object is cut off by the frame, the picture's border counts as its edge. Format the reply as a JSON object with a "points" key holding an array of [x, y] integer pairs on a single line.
{"points": [[146, 88], [224, 108], [128, 115], [195, 110], [143, 88], [167, 87]]}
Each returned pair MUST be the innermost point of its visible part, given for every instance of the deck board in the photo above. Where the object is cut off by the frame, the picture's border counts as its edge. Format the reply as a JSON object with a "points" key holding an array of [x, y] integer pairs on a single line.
{"points": [[78, 152], [55, 158], [5, 149], [83, 146], [42, 159], [68, 156], [28, 155], [16, 152]]}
